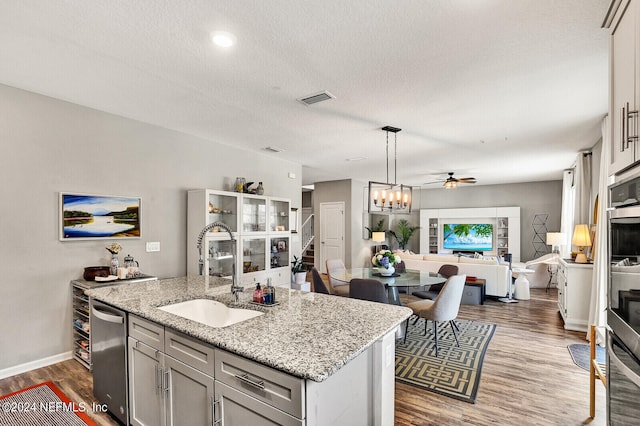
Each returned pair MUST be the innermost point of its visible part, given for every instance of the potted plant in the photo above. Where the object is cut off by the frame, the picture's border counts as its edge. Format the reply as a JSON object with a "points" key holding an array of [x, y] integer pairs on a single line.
{"points": [[385, 261], [405, 231], [299, 270]]}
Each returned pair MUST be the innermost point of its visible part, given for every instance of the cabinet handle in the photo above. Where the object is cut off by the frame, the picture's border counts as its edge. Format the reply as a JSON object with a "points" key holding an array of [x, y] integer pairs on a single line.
{"points": [[213, 408], [622, 129], [632, 115], [157, 387], [165, 377], [245, 378]]}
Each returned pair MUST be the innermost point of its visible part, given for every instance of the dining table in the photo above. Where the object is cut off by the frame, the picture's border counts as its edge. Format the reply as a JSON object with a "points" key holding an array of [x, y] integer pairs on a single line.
{"points": [[409, 278]]}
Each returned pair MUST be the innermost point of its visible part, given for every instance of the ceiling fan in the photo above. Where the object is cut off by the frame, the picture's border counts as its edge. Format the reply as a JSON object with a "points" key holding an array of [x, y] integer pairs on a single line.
{"points": [[452, 182]]}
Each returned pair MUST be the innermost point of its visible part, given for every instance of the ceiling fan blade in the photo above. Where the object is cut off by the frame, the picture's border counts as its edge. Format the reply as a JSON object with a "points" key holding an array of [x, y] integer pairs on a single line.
{"points": [[467, 180]]}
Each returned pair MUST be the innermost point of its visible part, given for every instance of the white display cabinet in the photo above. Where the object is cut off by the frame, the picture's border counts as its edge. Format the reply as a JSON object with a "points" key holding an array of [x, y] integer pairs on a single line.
{"points": [[253, 254], [279, 215], [219, 258], [254, 214], [260, 226]]}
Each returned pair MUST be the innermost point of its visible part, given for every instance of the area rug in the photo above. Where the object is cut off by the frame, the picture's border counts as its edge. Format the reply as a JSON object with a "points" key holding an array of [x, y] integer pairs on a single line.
{"points": [[580, 354], [456, 370], [42, 404]]}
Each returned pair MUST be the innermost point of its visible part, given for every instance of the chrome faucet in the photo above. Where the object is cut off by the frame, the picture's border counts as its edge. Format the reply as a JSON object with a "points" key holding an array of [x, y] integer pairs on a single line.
{"points": [[235, 289]]}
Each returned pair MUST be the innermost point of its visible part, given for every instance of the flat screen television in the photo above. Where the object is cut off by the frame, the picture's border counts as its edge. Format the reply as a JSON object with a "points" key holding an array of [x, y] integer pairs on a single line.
{"points": [[467, 236]]}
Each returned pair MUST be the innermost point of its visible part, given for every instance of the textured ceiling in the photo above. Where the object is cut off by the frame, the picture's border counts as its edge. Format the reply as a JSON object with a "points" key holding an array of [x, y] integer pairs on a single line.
{"points": [[502, 90]]}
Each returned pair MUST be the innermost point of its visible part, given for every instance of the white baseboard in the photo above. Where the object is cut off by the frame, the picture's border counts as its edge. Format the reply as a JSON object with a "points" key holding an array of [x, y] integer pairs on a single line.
{"points": [[43, 362]]}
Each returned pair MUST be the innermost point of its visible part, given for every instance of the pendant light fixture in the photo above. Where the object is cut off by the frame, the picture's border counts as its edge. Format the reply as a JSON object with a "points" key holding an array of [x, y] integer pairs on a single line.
{"points": [[387, 197]]}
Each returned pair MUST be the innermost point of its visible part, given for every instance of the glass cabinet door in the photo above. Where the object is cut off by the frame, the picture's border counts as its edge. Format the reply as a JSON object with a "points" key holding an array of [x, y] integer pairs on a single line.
{"points": [[254, 214], [223, 208], [219, 257], [278, 215], [253, 254], [279, 252]]}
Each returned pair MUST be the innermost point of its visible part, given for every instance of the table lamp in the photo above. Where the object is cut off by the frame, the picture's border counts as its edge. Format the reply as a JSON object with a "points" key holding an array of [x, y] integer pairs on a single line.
{"points": [[581, 239], [377, 237], [555, 240]]}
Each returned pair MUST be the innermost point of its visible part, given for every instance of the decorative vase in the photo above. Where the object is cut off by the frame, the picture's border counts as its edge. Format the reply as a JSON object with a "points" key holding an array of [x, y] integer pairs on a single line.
{"points": [[387, 272], [300, 277], [115, 264]]}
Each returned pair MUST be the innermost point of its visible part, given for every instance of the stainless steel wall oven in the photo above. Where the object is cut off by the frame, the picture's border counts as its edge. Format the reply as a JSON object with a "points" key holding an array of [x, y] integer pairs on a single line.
{"points": [[623, 303]]}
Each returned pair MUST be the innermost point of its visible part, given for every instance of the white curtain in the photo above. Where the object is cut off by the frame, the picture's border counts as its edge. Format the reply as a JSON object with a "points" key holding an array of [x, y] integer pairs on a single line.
{"points": [[582, 182], [597, 313], [566, 216]]}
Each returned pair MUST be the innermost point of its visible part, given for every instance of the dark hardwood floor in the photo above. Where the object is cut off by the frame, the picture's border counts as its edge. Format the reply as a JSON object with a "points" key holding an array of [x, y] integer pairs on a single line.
{"points": [[528, 377]]}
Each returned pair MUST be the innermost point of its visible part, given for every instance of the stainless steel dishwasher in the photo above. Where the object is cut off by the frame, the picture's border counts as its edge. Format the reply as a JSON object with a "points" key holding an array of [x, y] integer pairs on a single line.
{"points": [[109, 352]]}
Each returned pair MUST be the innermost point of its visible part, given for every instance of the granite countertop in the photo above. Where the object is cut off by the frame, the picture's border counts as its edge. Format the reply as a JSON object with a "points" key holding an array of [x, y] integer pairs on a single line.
{"points": [[308, 335]]}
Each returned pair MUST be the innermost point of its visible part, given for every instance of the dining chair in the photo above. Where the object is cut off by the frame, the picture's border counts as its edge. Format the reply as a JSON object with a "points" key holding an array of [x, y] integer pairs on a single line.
{"points": [[318, 283], [368, 289], [446, 271], [338, 288], [443, 309]]}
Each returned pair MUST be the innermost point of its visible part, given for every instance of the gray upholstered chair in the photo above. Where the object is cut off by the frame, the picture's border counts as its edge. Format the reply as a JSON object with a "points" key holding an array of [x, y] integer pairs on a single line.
{"points": [[318, 283], [443, 309], [433, 291], [367, 289], [338, 288]]}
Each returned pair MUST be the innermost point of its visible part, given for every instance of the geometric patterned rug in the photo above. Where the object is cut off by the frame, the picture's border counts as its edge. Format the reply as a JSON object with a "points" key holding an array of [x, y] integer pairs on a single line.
{"points": [[456, 370], [43, 404]]}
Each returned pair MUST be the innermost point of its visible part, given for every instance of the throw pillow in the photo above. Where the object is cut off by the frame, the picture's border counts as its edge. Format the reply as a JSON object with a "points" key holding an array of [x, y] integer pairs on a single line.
{"points": [[477, 255]]}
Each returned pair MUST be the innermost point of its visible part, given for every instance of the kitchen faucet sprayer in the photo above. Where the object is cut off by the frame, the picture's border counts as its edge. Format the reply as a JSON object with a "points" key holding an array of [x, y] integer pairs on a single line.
{"points": [[235, 289]]}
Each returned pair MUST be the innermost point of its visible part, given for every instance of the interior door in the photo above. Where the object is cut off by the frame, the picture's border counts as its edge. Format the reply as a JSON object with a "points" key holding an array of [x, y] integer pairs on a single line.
{"points": [[331, 233]]}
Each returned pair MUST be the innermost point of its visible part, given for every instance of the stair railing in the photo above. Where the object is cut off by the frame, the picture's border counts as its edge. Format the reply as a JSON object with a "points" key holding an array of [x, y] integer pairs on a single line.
{"points": [[307, 233]]}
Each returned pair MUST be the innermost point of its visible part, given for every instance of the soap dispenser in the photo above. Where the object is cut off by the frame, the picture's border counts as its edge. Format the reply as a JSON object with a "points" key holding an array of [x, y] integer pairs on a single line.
{"points": [[257, 294], [266, 294], [272, 290]]}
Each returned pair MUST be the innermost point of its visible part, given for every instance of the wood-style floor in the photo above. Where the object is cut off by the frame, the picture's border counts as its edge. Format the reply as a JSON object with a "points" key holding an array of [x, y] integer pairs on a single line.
{"points": [[528, 377]]}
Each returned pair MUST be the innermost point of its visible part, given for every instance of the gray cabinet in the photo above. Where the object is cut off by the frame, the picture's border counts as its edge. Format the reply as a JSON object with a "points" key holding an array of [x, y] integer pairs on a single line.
{"points": [[189, 394], [239, 409], [166, 384], [252, 390], [145, 385], [624, 81]]}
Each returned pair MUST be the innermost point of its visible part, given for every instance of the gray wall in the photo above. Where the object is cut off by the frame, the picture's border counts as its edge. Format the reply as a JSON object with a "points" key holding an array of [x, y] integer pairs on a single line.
{"points": [[51, 146], [329, 192], [532, 198]]}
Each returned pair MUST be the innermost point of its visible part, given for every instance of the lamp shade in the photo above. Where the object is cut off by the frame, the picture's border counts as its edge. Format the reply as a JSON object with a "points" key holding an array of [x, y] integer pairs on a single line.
{"points": [[581, 236], [555, 238], [378, 237]]}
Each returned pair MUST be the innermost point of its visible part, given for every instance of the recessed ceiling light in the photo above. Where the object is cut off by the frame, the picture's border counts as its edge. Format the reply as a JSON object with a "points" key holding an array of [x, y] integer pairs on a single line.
{"points": [[356, 158], [223, 38]]}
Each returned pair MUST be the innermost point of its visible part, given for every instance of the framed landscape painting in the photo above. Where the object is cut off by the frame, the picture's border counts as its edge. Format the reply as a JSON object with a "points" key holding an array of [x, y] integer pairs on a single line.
{"points": [[90, 217]]}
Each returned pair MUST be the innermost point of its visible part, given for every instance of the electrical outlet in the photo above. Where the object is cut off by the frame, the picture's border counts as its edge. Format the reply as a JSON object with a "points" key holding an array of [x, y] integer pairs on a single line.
{"points": [[153, 246]]}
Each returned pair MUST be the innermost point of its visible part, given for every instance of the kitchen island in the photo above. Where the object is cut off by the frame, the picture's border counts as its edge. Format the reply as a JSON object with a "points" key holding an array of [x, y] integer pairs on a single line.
{"points": [[338, 352]]}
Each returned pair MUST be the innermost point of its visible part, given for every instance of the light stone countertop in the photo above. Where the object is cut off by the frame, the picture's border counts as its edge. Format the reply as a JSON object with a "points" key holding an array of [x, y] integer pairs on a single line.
{"points": [[308, 335]]}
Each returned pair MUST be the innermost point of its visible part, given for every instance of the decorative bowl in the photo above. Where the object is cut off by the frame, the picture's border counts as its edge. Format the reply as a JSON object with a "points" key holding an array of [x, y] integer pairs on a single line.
{"points": [[91, 272]]}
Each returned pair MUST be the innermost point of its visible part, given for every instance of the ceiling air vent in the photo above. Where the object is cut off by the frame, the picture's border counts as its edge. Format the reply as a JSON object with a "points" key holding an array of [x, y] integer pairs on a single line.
{"points": [[315, 98], [272, 149]]}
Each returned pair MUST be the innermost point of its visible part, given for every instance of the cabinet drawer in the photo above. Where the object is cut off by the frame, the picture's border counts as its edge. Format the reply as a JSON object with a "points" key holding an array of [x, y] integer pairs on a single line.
{"points": [[147, 332], [239, 408], [192, 352], [266, 384]]}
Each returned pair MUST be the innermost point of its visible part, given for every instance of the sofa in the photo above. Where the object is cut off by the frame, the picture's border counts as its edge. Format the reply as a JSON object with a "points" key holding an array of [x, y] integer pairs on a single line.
{"points": [[497, 276]]}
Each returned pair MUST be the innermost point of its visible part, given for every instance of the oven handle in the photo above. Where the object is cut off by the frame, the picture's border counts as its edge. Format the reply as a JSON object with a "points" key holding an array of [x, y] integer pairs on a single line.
{"points": [[629, 374]]}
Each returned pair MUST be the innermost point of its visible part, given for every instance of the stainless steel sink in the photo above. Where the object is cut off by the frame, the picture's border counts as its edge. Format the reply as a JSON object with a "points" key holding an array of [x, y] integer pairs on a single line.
{"points": [[210, 312]]}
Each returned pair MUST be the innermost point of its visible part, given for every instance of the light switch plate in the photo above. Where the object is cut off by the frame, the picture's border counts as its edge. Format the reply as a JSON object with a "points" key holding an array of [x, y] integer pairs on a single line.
{"points": [[153, 246]]}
